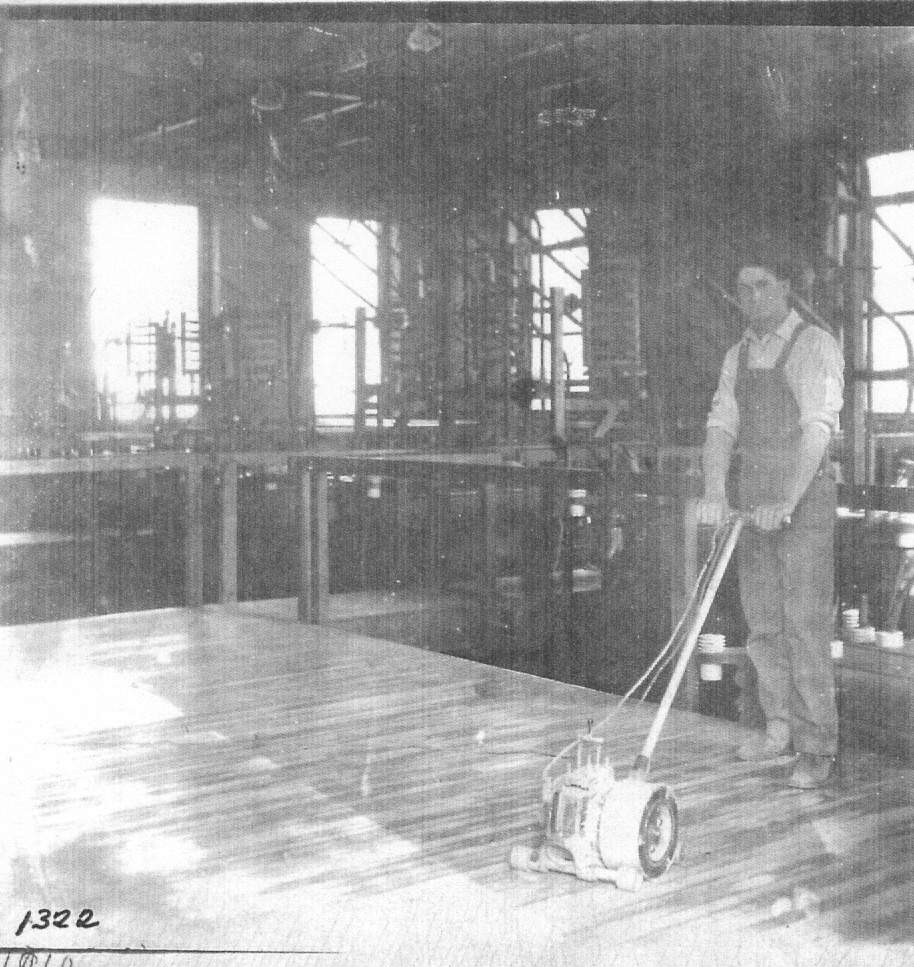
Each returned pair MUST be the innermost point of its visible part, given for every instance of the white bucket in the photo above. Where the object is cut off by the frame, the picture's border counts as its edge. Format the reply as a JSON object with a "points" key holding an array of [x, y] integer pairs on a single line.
{"points": [[890, 639], [863, 636], [711, 672]]}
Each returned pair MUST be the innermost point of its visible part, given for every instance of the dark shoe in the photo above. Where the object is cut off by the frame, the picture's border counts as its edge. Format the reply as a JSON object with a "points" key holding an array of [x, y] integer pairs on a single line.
{"points": [[767, 746], [811, 771]]}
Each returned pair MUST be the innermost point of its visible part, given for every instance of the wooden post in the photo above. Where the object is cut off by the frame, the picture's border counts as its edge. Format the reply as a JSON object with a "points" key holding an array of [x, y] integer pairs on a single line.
{"points": [[314, 551], [193, 540], [489, 494], [364, 514], [96, 569], [307, 610], [555, 603], [402, 502], [228, 535], [361, 393], [557, 318], [684, 573], [320, 587]]}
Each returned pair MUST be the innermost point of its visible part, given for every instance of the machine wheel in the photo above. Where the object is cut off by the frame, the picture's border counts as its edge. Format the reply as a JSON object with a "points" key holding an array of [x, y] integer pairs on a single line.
{"points": [[522, 858], [658, 837]]}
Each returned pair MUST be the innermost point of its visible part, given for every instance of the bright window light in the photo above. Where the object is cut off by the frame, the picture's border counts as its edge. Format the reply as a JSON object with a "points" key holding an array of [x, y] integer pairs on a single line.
{"points": [[559, 225], [887, 253], [890, 352], [559, 268], [344, 276], [890, 396], [144, 270], [891, 173]]}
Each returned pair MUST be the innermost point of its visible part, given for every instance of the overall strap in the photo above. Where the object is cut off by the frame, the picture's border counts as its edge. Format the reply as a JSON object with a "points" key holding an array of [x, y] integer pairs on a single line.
{"points": [[788, 349], [742, 364]]}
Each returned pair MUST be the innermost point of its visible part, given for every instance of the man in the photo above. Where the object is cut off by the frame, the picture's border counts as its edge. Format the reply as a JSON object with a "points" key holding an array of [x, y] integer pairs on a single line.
{"points": [[776, 407]]}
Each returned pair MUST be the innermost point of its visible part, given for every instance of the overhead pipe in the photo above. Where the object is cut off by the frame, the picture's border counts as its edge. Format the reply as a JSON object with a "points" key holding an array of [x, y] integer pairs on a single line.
{"points": [[353, 101]]}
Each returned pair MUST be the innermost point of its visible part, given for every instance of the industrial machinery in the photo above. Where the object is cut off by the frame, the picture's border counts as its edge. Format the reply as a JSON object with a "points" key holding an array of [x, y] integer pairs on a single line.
{"points": [[623, 830]]}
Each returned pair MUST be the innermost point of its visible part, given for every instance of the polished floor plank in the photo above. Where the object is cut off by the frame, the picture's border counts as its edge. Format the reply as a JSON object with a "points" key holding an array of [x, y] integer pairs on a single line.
{"points": [[227, 778]]}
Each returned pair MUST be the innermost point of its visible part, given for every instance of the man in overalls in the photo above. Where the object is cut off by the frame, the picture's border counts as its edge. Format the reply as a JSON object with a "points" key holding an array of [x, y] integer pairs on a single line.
{"points": [[776, 408]]}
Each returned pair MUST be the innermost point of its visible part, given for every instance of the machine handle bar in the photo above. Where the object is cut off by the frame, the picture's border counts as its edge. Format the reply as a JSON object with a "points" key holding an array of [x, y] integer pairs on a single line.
{"points": [[733, 528]]}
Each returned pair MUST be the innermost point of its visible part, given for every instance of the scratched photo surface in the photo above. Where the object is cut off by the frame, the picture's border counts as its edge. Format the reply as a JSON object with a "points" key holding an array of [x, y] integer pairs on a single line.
{"points": [[354, 381]]}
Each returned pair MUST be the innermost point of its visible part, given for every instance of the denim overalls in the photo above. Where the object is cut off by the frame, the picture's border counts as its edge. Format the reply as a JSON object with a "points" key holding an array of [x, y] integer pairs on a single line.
{"points": [[786, 576]]}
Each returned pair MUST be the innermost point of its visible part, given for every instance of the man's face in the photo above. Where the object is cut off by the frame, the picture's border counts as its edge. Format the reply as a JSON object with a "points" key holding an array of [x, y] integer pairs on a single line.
{"points": [[763, 297]]}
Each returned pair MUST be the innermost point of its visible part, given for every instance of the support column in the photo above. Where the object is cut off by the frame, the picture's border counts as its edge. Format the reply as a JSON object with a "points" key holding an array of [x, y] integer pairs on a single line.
{"points": [[228, 535], [683, 574], [314, 548], [193, 539], [489, 494]]}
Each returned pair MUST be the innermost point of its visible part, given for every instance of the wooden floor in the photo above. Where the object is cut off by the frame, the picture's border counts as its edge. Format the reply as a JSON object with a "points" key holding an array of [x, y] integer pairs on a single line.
{"points": [[226, 778]]}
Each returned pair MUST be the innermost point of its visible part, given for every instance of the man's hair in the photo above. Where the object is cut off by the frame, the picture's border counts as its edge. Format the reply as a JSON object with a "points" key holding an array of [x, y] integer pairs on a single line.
{"points": [[783, 271], [781, 260]]}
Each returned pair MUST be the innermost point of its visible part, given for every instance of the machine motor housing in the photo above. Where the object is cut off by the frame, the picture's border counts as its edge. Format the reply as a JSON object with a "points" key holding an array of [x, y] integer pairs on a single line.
{"points": [[600, 823]]}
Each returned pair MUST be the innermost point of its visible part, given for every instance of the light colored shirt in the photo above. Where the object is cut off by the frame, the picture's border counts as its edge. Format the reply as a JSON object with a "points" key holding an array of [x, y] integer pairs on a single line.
{"points": [[814, 372]]}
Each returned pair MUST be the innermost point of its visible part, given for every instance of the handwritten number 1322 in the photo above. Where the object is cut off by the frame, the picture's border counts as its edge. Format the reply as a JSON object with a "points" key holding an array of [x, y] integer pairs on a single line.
{"points": [[58, 918]]}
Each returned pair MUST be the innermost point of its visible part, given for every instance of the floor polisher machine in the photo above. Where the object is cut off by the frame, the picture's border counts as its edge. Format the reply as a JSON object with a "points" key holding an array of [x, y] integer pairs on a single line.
{"points": [[623, 830]]}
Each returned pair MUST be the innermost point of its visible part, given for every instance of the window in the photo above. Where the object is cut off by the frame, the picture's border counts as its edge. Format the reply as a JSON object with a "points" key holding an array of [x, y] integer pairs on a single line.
{"points": [[892, 190], [559, 260], [344, 276], [144, 309]]}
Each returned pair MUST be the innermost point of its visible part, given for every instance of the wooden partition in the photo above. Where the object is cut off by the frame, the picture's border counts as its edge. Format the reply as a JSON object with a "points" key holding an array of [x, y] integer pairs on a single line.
{"points": [[481, 503], [502, 538]]}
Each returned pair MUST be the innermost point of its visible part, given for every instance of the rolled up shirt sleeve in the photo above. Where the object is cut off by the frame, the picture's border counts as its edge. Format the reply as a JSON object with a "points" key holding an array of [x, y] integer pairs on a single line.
{"points": [[724, 414], [815, 372]]}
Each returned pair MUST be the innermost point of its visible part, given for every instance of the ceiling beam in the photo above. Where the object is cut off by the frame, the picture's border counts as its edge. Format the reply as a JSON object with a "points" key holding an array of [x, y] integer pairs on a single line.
{"points": [[334, 95], [324, 115]]}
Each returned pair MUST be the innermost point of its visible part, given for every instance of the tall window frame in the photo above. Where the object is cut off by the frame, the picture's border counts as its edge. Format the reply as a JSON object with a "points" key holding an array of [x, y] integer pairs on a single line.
{"points": [[345, 256], [890, 303], [560, 258], [144, 310]]}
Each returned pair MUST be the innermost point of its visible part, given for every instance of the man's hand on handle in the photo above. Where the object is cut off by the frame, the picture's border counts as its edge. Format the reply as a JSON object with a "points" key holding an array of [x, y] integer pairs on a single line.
{"points": [[713, 511], [769, 517]]}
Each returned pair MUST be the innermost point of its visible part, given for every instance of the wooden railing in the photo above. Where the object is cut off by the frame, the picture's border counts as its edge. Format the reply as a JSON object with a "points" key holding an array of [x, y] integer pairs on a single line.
{"points": [[192, 467], [205, 501], [205, 514], [311, 469]]}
